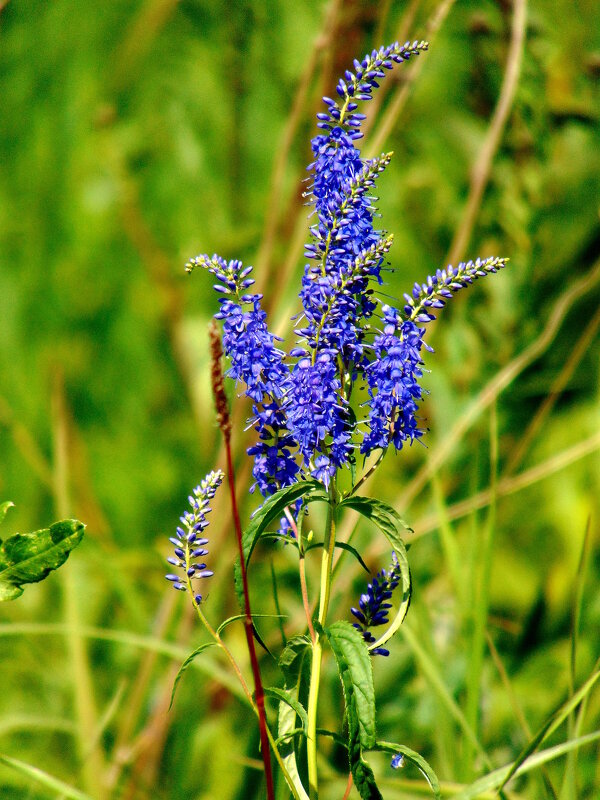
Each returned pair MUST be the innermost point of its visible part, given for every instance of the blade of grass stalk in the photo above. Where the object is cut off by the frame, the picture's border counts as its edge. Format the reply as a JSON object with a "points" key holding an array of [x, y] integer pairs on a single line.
{"points": [[170, 649], [147, 750], [33, 722], [91, 759], [26, 444], [569, 786], [138, 40], [446, 446], [561, 380], [435, 680], [517, 711], [483, 571], [480, 172], [448, 542], [511, 485], [493, 780], [277, 606], [95, 737], [553, 722], [44, 778]]}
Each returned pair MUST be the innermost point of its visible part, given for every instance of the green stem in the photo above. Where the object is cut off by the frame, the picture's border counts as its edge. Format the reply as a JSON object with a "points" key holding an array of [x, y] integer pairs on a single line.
{"points": [[220, 643], [315, 674]]}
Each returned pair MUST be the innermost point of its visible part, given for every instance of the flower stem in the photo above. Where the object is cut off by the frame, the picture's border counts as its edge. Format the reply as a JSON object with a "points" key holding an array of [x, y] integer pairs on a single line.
{"points": [[224, 423], [219, 641], [248, 627], [315, 675]]}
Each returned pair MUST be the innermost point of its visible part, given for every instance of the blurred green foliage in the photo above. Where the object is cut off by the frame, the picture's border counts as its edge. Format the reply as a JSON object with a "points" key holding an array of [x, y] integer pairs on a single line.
{"points": [[136, 134]]}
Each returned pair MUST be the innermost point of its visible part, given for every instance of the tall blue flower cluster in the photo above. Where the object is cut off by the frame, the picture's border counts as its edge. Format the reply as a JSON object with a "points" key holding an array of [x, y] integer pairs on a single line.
{"points": [[393, 378], [305, 412], [373, 604], [188, 541]]}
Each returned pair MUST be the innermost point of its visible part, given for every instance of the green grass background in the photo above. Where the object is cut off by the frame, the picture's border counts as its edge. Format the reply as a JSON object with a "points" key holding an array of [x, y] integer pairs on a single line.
{"points": [[134, 135]]}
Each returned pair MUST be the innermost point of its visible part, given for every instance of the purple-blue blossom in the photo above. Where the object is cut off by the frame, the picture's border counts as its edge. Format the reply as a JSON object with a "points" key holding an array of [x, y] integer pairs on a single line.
{"points": [[189, 543], [373, 606], [393, 381], [304, 407]]}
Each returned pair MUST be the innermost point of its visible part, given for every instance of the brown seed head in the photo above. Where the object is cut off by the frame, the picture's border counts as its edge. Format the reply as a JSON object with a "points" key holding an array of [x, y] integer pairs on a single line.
{"points": [[217, 382]]}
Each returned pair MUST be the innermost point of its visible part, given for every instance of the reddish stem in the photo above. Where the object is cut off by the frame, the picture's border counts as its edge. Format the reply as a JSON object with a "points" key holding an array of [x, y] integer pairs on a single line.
{"points": [[248, 627], [348, 788]]}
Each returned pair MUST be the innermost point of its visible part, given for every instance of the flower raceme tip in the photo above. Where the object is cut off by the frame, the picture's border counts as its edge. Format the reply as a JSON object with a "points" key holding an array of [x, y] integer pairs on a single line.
{"points": [[188, 542]]}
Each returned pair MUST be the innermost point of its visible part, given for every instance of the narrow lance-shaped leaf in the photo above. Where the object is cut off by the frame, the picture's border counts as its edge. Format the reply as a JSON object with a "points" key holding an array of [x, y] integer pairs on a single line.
{"points": [[389, 523], [185, 666], [356, 673], [271, 510], [29, 557], [295, 664], [417, 760]]}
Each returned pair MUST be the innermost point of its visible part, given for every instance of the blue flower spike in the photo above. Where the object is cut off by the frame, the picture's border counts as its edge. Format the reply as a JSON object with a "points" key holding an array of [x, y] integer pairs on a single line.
{"points": [[189, 542], [373, 605], [304, 411]]}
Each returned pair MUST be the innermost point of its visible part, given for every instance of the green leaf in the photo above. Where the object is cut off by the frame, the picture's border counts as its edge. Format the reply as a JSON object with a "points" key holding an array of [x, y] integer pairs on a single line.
{"points": [[295, 664], [271, 510], [344, 546], [186, 664], [49, 781], [286, 696], [381, 514], [389, 523], [417, 760], [29, 557], [356, 673], [238, 617], [4, 508]]}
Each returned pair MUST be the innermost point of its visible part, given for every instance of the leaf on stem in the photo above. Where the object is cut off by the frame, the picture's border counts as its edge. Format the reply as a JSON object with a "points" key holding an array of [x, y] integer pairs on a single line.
{"points": [[356, 673], [343, 546], [389, 523], [295, 665], [417, 760], [272, 509], [186, 664], [29, 557]]}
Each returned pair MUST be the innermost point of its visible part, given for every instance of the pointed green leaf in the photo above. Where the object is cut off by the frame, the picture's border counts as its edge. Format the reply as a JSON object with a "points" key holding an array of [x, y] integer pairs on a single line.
{"points": [[186, 664], [4, 508], [295, 664], [238, 617], [381, 514], [272, 509], [417, 760], [29, 557], [61, 788], [356, 673], [344, 546], [494, 779], [286, 696], [389, 523]]}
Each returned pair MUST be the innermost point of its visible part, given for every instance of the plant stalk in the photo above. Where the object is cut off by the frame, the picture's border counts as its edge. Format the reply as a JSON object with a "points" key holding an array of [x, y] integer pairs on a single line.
{"points": [[248, 627], [317, 653]]}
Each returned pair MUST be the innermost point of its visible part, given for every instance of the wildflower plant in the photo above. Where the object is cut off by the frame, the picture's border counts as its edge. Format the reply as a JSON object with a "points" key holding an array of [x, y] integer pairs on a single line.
{"points": [[346, 390]]}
